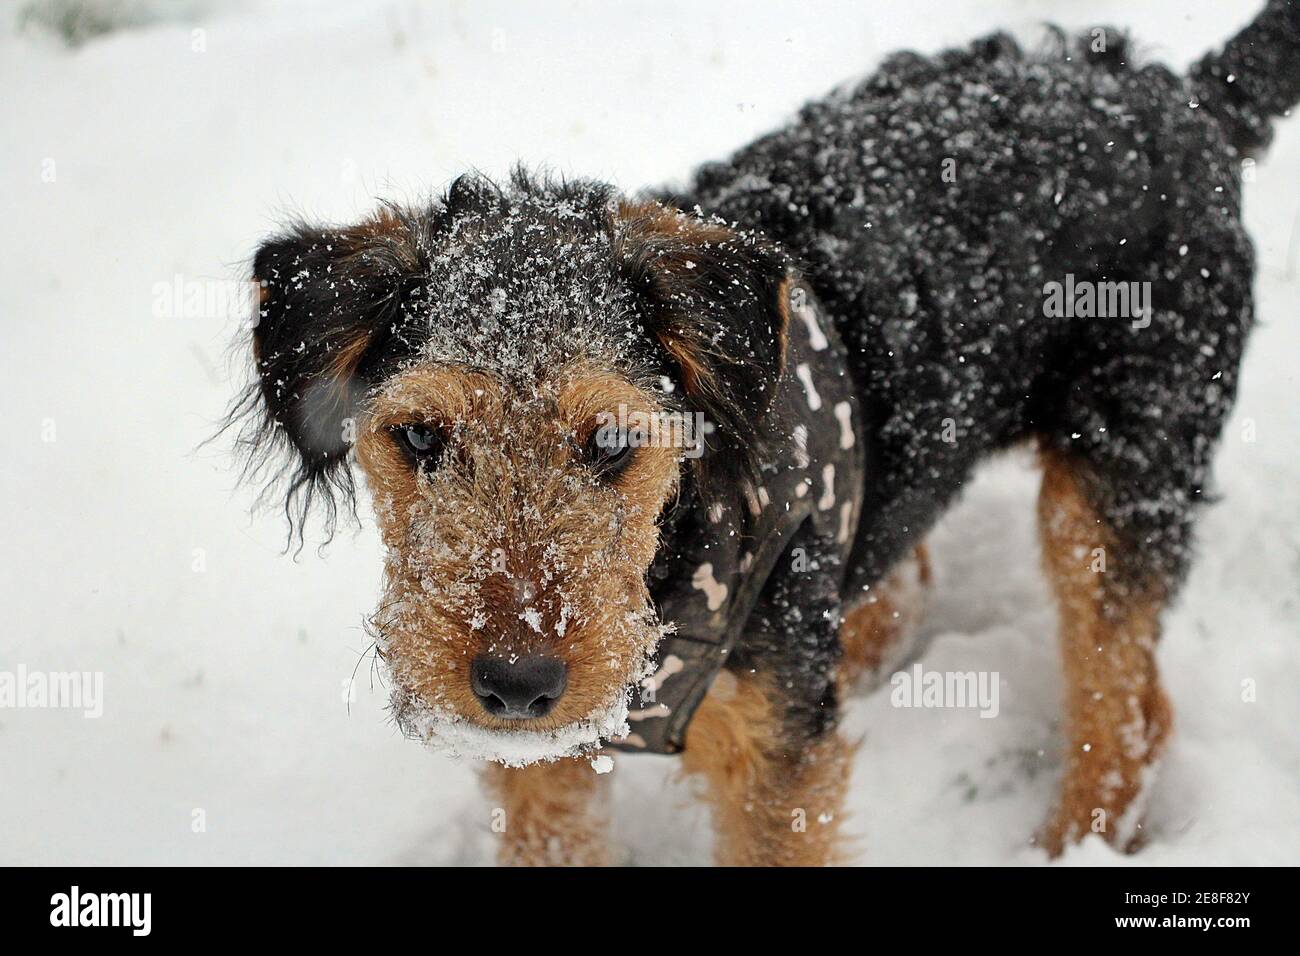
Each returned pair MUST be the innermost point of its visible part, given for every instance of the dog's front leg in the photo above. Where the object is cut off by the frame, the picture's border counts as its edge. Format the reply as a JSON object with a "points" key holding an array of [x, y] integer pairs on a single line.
{"points": [[764, 738], [776, 796], [549, 814]]}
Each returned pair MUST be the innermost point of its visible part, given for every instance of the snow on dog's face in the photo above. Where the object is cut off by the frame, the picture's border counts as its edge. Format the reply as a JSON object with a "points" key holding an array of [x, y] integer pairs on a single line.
{"points": [[480, 359], [517, 546]]}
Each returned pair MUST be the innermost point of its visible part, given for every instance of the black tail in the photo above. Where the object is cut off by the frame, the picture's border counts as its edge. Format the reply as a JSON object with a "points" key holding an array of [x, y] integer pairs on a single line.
{"points": [[1255, 78]]}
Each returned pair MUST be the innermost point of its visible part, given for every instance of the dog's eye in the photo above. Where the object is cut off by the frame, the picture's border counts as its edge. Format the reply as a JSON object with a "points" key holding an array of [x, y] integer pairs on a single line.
{"points": [[609, 452], [422, 444]]}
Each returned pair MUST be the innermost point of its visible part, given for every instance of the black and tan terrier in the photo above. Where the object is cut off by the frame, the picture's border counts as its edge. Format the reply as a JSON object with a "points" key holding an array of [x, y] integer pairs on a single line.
{"points": [[652, 473]]}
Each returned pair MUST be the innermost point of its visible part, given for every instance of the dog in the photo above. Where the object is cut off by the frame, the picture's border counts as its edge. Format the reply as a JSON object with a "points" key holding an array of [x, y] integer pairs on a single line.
{"points": [[655, 473]]}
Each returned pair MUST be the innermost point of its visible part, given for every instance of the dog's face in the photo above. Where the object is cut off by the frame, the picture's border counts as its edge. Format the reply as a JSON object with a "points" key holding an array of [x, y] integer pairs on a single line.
{"points": [[518, 542], [505, 367]]}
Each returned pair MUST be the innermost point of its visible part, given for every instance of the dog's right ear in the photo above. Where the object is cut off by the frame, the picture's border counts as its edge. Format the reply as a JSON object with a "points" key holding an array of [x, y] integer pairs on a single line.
{"points": [[717, 302], [329, 303]]}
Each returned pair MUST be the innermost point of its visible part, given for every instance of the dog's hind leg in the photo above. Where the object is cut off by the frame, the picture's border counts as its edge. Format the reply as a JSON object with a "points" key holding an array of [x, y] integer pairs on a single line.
{"points": [[549, 814], [878, 626], [1116, 715], [1127, 441]]}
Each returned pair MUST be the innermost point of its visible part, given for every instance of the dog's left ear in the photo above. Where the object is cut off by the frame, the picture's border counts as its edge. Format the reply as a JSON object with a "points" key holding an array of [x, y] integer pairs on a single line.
{"points": [[719, 307], [330, 298]]}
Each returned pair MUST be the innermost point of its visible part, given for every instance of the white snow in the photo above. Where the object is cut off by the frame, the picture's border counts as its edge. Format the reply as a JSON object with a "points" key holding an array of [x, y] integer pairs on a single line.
{"points": [[232, 730], [457, 737]]}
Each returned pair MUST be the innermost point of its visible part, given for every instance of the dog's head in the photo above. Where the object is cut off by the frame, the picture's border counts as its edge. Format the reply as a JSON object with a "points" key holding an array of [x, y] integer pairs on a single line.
{"points": [[524, 377]]}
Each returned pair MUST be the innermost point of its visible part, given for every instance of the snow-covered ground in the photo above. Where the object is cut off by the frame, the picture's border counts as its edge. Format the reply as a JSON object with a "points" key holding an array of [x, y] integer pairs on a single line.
{"points": [[166, 151]]}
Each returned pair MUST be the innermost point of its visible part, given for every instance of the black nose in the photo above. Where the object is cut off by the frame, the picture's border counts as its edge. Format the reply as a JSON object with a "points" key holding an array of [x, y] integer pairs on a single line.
{"points": [[521, 689]]}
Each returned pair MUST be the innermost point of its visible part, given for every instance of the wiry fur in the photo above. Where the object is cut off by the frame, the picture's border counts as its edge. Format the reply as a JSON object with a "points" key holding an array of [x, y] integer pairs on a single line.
{"points": [[511, 526], [506, 317], [326, 287]]}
